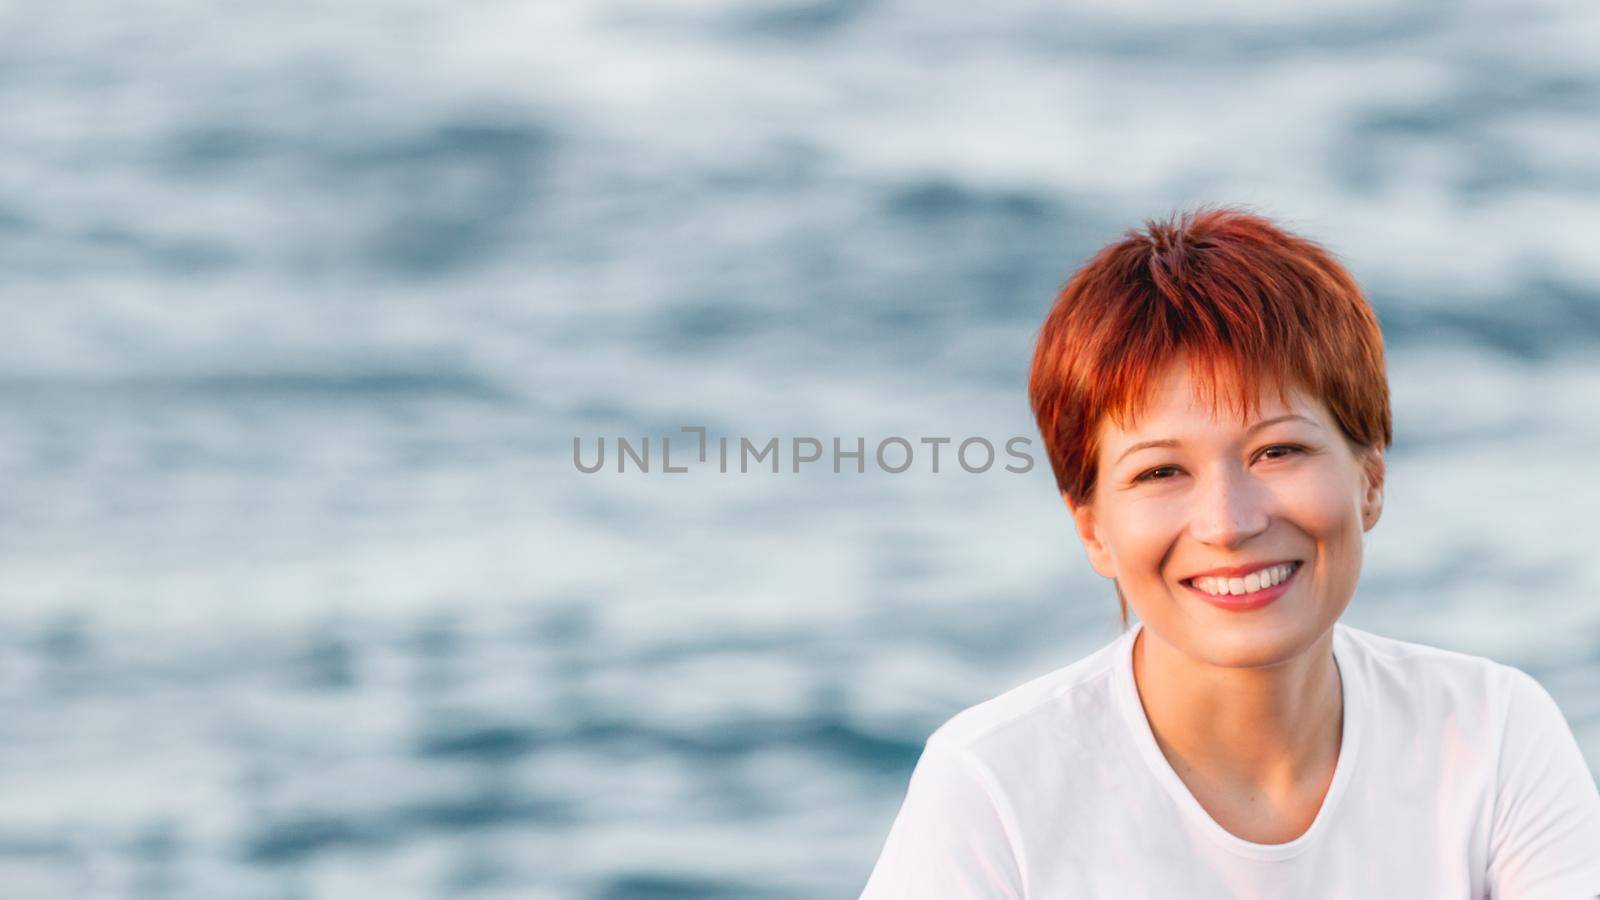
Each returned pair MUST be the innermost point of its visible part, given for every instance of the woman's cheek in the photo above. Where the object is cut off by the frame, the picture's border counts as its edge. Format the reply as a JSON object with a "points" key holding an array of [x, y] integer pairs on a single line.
{"points": [[1152, 526], [1323, 505]]}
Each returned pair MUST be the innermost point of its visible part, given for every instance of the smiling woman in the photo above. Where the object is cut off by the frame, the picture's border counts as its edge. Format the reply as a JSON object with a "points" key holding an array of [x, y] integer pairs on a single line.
{"points": [[1212, 395]]}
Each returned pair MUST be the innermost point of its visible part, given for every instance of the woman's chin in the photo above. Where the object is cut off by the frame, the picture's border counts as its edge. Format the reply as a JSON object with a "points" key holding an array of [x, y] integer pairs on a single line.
{"points": [[1259, 642]]}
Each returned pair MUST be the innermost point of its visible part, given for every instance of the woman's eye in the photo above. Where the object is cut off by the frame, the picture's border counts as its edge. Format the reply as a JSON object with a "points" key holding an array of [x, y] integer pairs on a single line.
{"points": [[1151, 475], [1289, 447], [1268, 453]]}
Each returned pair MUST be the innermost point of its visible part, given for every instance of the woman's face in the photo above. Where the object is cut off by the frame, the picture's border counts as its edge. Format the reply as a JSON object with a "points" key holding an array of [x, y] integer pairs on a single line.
{"points": [[1227, 493]]}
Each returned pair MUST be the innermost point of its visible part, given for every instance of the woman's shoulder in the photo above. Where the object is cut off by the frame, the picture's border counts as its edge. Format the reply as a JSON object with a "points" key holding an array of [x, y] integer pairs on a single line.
{"points": [[1066, 704], [1429, 662], [1424, 678]]}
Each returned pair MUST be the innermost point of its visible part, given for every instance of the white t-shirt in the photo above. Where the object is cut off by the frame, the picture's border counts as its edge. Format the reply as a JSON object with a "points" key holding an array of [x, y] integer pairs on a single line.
{"points": [[1457, 778]]}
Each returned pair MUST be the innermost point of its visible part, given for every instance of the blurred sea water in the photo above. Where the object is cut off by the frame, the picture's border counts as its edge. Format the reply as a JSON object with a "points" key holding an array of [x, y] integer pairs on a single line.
{"points": [[305, 304]]}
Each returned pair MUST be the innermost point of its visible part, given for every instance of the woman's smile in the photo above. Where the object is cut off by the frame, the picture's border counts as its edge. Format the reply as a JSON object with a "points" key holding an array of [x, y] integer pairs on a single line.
{"points": [[1253, 591]]}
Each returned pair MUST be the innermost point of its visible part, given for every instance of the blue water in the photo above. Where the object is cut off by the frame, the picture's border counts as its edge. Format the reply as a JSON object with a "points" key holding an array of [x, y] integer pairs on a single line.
{"points": [[303, 595]]}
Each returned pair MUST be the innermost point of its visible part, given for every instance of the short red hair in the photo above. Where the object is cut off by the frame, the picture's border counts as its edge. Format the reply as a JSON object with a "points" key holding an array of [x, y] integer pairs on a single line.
{"points": [[1247, 302]]}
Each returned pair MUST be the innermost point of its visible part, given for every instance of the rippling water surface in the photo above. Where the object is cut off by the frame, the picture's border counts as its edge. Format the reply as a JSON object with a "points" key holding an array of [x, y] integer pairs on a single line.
{"points": [[303, 596]]}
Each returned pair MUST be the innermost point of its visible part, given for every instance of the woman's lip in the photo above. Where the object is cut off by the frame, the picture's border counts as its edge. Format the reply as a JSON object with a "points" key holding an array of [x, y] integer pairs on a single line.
{"points": [[1253, 600]]}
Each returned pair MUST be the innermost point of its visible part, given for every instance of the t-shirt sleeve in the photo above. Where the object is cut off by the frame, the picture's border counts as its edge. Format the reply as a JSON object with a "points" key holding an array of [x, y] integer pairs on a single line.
{"points": [[951, 839], [1545, 838]]}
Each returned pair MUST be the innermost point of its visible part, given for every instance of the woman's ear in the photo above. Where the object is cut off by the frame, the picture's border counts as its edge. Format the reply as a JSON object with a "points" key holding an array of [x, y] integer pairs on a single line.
{"points": [[1374, 469], [1088, 528]]}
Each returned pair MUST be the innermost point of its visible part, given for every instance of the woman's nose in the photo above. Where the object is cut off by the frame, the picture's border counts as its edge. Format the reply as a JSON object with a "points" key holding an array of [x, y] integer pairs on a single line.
{"points": [[1230, 508]]}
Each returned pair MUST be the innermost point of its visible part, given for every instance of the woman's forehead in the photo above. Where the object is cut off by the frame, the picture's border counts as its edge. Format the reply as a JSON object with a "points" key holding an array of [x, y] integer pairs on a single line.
{"points": [[1224, 401]]}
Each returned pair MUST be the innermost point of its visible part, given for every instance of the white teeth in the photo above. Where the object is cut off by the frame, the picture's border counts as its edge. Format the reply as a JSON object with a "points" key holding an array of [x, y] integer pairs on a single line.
{"points": [[1255, 581]]}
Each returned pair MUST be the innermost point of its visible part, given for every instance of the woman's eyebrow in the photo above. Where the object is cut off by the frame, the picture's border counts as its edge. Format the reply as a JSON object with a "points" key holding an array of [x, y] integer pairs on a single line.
{"points": [[1169, 442]]}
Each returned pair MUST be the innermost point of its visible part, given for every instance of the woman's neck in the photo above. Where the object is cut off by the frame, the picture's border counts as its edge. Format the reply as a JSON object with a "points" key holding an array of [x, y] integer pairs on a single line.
{"points": [[1272, 731]]}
